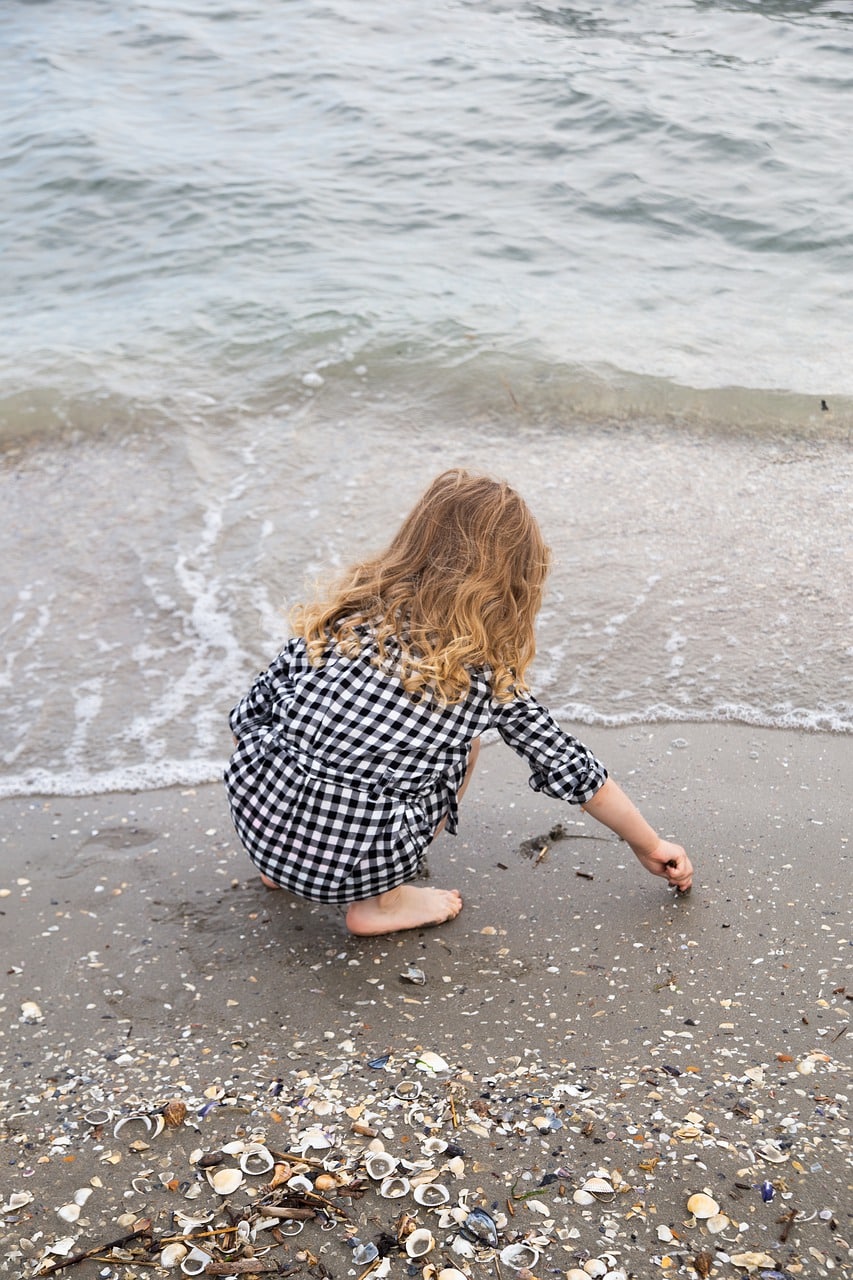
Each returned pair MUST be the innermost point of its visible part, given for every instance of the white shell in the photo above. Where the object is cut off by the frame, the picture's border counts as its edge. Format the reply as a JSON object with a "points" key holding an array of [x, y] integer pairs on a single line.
{"points": [[769, 1151], [195, 1262], [224, 1181], [595, 1267], [575, 1273], [69, 1212], [408, 1090], [429, 1061], [419, 1243], [136, 1117], [299, 1183], [256, 1159], [518, 1256], [600, 1188], [464, 1248], [290, 1226], [583, 1198], [702, 1206], [450, 1273], [430, 1194], [717, 1222], [394, 1187], [380, 1165], [173, 1254]]}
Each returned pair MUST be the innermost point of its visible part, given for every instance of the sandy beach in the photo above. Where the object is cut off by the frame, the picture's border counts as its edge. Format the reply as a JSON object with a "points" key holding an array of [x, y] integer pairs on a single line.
{"points": [[575, 1021]]}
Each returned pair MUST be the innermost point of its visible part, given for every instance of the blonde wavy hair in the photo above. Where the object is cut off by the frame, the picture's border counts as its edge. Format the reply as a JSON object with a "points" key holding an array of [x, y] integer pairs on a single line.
{"points": [[458, 588]]}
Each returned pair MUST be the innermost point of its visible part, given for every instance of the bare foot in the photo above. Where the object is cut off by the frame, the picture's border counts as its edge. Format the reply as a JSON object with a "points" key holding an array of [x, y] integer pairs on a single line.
{"points": [[406, 907], [267, 883]]}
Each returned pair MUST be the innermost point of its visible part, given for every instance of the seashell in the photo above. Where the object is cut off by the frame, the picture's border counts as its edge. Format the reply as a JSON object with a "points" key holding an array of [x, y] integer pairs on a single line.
{"points": [[98, 1116], [769, 1151], [171, 1255], [290, 1226], [420, 1242], [325, 1182], [595, 1267], [752, 1259], [394, 1187], [408, 1089], [195, 1262], [600, 1188], [380, 1165], [464, 1248], [414, 975], [280, 1174], [414, 1116], [519, 1256], [450, 1273], [224, 1181], [363, 1254], [431, 1062], [158, 1124], [575, 1273], [174, 1113], [136, 1117], [434, 1146], [480, 1227], [431, 1194], [299, 1182], [69, 1212], [314, 1140], [210, 1159], [256, 1159], [717, 1223], [30, 1012], [702, 1206]]}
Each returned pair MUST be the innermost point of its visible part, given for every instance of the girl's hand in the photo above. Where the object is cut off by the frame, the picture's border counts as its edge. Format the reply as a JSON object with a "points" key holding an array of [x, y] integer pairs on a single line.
{"points": [[671, 861]]}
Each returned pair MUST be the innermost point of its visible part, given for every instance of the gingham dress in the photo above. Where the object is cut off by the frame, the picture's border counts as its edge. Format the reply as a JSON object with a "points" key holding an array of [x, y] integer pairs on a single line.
{"points": [[339, 779]]}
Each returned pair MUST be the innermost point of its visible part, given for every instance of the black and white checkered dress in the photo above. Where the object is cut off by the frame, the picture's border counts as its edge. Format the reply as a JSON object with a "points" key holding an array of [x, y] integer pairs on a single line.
{"points": [[339, 779]]}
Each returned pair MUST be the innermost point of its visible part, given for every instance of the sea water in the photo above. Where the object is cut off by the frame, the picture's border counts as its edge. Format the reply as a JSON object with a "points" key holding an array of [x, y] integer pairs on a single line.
{"points": [[269, 266]]}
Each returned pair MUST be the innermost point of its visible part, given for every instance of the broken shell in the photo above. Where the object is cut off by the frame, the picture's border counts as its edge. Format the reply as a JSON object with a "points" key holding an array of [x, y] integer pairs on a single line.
{"points": [[600, 1188], [173, 1254], [98, 1116], [432, 1062], [363, 1254], [30, 1012], [464, 1248], [575, 1273], [480, 1227], [379, 1165], [431, 1194], [518, 1256], [702, 1206], [769, 1151], [224, 1181], [408, 1089], [413, 974], [256, 1160], [419, 1242], [299, 1182], [394, 1187], [136, 1117], [290, 1226], [314, 1140], [210, 1159], [195, 1262], [434, 1146], [595, 1267]]}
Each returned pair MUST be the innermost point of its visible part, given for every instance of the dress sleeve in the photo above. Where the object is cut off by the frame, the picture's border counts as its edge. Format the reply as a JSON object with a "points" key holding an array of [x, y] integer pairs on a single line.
{"points": [[560, 766], [255, 710]]}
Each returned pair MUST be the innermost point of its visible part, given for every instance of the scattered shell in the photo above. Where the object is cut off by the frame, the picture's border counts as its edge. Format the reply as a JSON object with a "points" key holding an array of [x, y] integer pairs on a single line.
{"points": [[702, 1206], [450, 1273], [195, 1263], [717, 1223], [583, 1198], [30, 1012], [98, 1116], [595, 1267], [135, 1118], [419, 1242], [600, 1188], [174, 1113], [290, 1226], [434, 1146], [363, 1254], [413, 974], [325, 1182], [575, 1273], [69, 1212], [380, 1165], [300, 1183], [770, 1152], [173, 1254], [431, 1194], [432, 1062], [481, 1227], [408, 1089], [752, 1259], [256, 1160], [394, 1187], [518, 1256], [224, 1181]]}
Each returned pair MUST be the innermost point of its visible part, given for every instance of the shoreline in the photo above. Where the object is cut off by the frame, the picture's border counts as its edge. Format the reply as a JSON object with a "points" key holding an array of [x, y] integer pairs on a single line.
{"points": [[573, 990]]}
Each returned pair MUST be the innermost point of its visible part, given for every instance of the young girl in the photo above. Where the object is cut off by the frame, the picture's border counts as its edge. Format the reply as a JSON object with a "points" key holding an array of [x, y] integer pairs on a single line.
{"points": [[355, 746]]}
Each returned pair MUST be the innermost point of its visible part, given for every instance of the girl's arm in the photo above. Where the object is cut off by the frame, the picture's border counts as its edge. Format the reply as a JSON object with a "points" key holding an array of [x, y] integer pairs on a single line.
{"points": [[611, 807]]}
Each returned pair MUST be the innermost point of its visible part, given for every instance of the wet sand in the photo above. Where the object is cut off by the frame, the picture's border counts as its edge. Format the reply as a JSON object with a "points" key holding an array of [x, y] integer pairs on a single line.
{"points": [[590, 1022]]}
